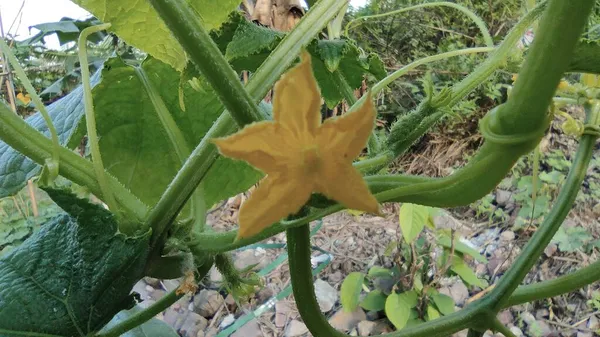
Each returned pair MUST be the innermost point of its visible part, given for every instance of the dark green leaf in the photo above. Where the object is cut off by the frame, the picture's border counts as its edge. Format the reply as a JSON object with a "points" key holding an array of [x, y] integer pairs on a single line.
{"points": [[466, 274], [135, 146], [151, 328], [348, 64], [460, 247], [66, 113], [377, 271], [71, 277], [398, 307], [374, 301], [444, 303], [350, 291]]}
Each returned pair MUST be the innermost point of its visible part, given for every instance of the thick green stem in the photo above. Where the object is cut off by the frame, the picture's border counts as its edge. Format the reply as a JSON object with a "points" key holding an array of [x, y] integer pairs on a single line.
{"points": [[429, 59], [178, 142], [403, 135], [143, 316], [561, 285], [552, 222], [90, 117], [201, 159], [186, 26], [35, 98], [476, 19], [298, 240], [558, 33], [29, 142]]}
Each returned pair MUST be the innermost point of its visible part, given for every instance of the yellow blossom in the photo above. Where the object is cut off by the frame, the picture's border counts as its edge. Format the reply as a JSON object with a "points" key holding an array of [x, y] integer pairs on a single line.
{"points": [[301, 155]]}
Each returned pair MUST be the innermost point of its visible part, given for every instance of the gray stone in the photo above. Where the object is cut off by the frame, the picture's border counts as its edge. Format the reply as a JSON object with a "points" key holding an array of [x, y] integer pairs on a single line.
{"points": [[283, 311], [335, 277], [507, 236], [593, 323], [211, 332], [458, 291], [538, 328], [170, 285], [250, 329], [365, 328], [192, 324], [248, 258], [503, 197], [516, 331], [264, 294], [207, 302], [527, 317], [154, 282], [346, 321], [295, 329], [505, 317], [584, 334], [542, 313], [326, 295]]}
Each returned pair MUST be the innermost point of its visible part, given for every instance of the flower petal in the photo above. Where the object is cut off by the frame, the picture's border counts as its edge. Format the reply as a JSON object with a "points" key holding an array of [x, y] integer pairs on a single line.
{"points": [[345, 137], [297, 101], [265, 145], [343, 183], [275, 198]]}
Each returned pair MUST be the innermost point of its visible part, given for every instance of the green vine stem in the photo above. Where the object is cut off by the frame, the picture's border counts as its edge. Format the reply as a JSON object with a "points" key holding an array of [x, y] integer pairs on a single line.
{"points": [[487, 37], [28, 141], [558, 286], [202, 157], [429, 59], [552, 222], [299, 258], [178, 142], [186, 26], [90, 118], [143, 316], [38, 103], [298, 240], [401, 139]]}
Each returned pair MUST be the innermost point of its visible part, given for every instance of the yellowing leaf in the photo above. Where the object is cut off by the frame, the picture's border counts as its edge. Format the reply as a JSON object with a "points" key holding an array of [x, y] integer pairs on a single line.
{"points": [[354, 212], [25, 99], [301, 155], [138, 24], [590, 80]]}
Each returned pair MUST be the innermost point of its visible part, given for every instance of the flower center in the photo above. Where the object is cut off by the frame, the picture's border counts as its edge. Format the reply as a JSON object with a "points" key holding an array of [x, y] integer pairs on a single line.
{"points": [[311, 159]]}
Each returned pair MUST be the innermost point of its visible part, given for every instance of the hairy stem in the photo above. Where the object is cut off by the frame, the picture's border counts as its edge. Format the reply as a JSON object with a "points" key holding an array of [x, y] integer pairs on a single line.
{"points": [[90, 117], [143, 316], [487, 37], [204, 155], [36, 100], [31, 143], [552, 222]]}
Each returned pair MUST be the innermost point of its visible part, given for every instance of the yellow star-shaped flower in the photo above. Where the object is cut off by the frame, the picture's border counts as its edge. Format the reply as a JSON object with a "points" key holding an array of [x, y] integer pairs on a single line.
{"points": [[300, 155]]}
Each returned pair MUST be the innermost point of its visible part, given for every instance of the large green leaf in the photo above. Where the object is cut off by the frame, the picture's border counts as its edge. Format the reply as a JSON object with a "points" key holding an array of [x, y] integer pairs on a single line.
{"points": [[350, 291], [66, 113], [67, 30], [247, 45], [135, 146], [374, 301], [412, 220], [151, 328], [138, 24], [398, 308], [466, 274], [341, 60], [71, 277]]}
